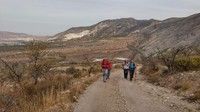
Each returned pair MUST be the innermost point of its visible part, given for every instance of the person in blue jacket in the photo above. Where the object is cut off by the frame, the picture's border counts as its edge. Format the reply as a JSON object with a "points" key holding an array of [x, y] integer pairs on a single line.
{"points": [[132, 68]]}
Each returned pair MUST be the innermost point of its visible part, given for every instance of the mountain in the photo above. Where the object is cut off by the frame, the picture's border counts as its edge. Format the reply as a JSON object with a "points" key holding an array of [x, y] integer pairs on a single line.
{"points": [[11, 38], [152, 34], [171, 32], [108, 28]]}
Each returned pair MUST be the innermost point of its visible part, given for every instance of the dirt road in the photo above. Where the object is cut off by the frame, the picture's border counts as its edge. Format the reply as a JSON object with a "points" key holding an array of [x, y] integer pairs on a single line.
{"points": [[120, 95]]}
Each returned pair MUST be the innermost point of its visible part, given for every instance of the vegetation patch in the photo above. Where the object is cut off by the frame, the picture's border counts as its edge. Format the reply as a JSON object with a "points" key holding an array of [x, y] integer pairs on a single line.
{"points": [[188, 63], [36, 85]]}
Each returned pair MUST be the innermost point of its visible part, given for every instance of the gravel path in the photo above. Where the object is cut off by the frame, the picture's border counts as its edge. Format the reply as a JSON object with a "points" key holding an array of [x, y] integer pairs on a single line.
{"points": [[120, 95]]}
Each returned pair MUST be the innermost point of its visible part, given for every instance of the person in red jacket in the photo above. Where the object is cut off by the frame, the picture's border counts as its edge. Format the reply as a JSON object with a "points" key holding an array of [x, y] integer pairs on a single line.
{"points": [[109, 68], [105, 67]]}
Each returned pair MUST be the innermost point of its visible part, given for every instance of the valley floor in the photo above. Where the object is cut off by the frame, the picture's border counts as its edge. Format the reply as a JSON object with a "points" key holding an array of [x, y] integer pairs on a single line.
{"points": [[120, 95]]}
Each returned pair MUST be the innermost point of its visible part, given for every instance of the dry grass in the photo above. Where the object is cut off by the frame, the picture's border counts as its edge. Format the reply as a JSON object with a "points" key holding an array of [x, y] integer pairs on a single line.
{"points": [[95, 69], [73, 93], [74, 51], [183, 85], [31, 98], [59, 90], [118, 66], [153, 78], [195, 97], [152, 74], [73, 71]]}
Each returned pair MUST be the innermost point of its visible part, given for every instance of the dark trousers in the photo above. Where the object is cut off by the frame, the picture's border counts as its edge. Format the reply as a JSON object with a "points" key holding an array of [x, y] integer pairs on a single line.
{"points": [[125, 73], [109, 70], [131, 73]]}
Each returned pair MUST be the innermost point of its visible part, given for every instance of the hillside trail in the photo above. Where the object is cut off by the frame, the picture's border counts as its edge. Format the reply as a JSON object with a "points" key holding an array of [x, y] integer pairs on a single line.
{"points": [[121, 95]]}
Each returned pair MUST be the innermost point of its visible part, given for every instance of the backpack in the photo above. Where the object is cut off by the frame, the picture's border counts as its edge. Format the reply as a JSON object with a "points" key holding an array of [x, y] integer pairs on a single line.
{"points": [[104, 64], [132, 66]]}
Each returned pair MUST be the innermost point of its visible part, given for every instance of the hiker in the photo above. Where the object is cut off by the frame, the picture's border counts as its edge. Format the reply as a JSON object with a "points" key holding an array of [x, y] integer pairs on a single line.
{"points": [[105, 66], [125, 67], [132, 68], [109, 69]]}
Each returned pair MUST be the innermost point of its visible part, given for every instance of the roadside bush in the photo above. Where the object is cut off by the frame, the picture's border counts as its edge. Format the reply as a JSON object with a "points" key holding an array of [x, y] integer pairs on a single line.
{"points": [[195, 97], [7, 103], [188, 63], [12, 71], [73, 71], [149, 69], [182, 85], [32, 97], [95, 69], [117, 66], [154, 78], [58, 83], [39, 65], [75, 91]]}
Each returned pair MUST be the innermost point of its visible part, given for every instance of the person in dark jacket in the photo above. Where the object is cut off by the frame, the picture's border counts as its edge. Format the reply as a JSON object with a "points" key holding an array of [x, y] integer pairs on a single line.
{"points": [[109, 69], [132, 68]]}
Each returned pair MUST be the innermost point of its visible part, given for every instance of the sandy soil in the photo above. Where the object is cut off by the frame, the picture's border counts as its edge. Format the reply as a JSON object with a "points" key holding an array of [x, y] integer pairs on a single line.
{"points": [[120, 95]]}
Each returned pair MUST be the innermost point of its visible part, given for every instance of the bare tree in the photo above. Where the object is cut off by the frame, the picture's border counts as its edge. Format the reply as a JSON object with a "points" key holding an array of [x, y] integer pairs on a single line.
{"points": [[148, 61], [14, 71], [137, 50], [169, 55], [88, 62], [39, 65]]}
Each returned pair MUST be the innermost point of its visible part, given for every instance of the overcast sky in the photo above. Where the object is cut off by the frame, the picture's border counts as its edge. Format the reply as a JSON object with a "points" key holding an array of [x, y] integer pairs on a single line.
{"points": [[47, 17]]}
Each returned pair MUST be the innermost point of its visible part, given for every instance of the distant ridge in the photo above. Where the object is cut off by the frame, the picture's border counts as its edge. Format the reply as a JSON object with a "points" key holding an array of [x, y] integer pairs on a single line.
{"points": [[11, 38]]}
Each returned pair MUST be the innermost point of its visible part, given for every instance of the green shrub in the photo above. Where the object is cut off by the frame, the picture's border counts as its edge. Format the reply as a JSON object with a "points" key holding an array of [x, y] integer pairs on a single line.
{"points": [[188, 63]]}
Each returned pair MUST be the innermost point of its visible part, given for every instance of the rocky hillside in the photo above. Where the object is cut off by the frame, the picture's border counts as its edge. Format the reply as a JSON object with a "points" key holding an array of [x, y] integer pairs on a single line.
{"points": [[154, 34], [108, 28], [172, 32], [11, 38]]}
